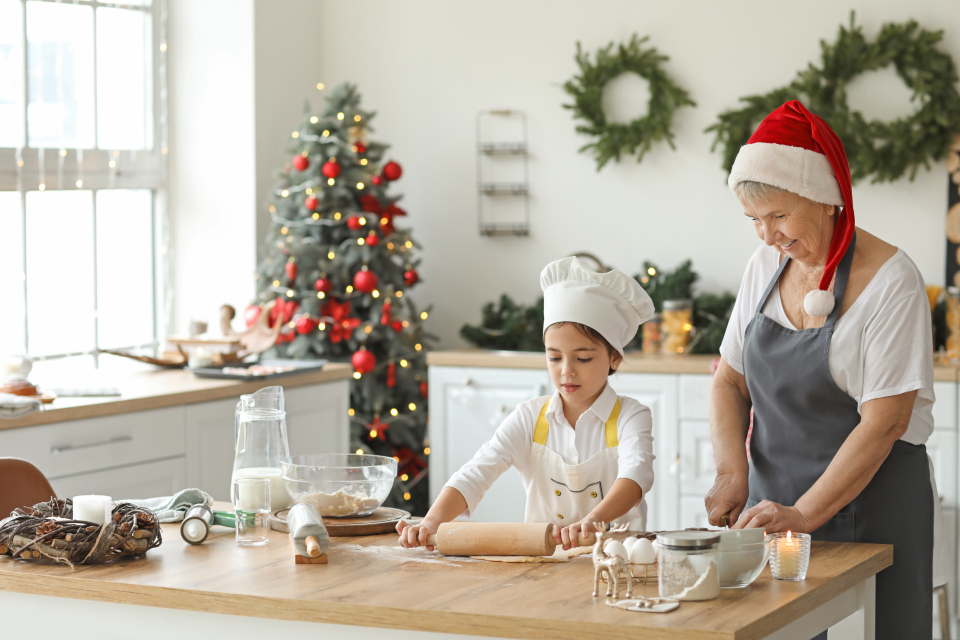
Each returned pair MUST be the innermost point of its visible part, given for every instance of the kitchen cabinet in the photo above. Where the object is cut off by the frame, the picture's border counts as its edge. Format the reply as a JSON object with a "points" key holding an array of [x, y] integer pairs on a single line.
{"points": [[158, 451]]}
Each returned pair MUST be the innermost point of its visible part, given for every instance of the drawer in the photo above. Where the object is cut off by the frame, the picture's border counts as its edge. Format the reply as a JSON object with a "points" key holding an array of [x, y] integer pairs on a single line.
{"points": [[133, 482], [945, 408], [81, 446], [694, 396], [942, 449]]}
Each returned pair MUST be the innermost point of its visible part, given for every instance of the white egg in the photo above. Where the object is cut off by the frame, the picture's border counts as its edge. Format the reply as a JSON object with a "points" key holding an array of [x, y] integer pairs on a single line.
{"points": [[615, 547], [643, 552], [656, 549], [628, 544]]}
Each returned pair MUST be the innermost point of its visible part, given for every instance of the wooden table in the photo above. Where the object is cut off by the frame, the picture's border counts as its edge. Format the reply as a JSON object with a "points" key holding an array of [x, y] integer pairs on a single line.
{"points": [[372, 585]]}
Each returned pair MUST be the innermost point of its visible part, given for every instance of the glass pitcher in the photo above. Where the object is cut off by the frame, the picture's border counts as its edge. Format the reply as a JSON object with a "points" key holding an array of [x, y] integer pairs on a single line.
{"points": [[260, 431]]}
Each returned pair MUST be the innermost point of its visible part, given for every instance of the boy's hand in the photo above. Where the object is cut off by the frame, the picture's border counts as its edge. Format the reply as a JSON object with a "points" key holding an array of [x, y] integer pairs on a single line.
{"points": [[415, 535], [570, 536]]}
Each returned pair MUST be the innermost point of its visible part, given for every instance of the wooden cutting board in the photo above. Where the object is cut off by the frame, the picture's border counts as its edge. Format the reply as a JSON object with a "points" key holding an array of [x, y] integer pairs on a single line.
{"points": [[382, 520]]}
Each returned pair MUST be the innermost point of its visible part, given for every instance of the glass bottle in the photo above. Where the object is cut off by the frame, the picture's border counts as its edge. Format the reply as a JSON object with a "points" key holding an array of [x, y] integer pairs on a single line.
{"points": [[261, 442]]}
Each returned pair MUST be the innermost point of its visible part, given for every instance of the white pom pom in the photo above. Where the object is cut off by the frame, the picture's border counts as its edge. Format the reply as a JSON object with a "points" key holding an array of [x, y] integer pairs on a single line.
{"points": [[818, 303]]}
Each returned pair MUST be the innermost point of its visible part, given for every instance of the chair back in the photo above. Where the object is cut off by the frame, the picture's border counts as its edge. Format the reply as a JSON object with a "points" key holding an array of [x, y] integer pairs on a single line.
{"points": [[21, 485]]}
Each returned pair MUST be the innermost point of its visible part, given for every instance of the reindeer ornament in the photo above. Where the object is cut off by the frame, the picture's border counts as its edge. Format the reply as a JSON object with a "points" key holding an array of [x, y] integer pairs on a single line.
{"points": [[612, 565]]}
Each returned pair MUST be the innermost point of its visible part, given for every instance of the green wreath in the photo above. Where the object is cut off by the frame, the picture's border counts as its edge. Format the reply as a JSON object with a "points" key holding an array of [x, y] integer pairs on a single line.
{"points": [[637, 136], [883, 151]]}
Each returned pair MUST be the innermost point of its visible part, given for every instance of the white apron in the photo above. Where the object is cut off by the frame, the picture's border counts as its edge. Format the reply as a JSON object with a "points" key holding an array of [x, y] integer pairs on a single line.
{"points": [[563, 494]]}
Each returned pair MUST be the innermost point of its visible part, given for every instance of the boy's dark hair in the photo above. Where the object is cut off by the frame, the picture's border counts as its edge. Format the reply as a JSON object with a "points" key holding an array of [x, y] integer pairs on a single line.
{"points": [[592, 334]]}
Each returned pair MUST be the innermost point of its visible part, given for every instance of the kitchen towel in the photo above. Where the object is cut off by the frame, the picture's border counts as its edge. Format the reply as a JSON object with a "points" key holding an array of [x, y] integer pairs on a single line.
{"points": [[172, 508], [13, 406]]}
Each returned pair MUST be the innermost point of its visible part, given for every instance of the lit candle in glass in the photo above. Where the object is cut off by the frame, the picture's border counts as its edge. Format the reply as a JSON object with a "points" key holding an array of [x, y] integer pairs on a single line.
{"points": [[789, 555]]}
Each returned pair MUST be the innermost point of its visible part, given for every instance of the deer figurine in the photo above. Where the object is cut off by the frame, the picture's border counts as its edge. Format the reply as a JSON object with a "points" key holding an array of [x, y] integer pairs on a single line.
{"points": [[611, 565]]}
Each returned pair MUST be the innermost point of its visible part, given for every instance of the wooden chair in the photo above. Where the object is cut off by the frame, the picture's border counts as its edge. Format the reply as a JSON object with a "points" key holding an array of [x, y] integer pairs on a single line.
{"points": [[21, 485]]}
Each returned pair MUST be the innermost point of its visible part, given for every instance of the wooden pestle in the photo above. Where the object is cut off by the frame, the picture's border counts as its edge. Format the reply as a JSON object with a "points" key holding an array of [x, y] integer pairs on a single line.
{"points": [[497, 539]]}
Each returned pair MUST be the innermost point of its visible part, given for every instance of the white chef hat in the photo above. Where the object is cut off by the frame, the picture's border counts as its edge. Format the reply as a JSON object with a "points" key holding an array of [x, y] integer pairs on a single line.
{"points": [[612, 303]]}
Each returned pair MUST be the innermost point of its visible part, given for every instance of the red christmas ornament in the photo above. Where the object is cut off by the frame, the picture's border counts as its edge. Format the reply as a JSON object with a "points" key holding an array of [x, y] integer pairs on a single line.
{"points": [[283, 311], [391, 375], [305, 324], [411, 277], [377, 180], [311, 203], [365, 281], [392, 170], [287, 336], [331, 169], [360, 147], [323, 284], [373, 239], [353, 223], [363, 361], [300, 163], [386, 313], [423, 389], [397, 326], [377, 429], [251, 314], [291, 269]]}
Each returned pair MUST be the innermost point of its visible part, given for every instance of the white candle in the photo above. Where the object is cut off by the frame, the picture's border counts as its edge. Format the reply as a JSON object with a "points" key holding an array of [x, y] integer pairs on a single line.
{"points": [[789, 550], [199, 359], [95, 509]]}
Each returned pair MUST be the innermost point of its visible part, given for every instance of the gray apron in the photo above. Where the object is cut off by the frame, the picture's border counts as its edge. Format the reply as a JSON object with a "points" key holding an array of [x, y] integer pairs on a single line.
{"points": [[800, 420]]}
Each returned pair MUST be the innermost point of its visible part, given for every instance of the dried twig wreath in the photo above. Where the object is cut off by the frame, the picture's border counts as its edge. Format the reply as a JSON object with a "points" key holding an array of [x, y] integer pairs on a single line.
{"points": [[47, 530]]}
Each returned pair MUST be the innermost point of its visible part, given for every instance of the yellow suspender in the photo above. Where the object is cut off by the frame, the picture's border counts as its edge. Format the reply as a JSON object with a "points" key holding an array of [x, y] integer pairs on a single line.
{"points": [[542, 428]]}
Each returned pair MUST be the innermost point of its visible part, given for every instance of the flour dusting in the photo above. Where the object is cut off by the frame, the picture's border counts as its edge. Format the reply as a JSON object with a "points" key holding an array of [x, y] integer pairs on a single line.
{"points": [[340, 504]]}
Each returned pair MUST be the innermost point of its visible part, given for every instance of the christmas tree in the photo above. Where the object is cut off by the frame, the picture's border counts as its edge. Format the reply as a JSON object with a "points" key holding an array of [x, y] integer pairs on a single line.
{"points": [[338, 271]]}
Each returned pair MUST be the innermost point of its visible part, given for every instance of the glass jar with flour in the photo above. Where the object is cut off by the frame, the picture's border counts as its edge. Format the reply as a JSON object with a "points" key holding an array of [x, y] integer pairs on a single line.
{"points": [[687, 565]]}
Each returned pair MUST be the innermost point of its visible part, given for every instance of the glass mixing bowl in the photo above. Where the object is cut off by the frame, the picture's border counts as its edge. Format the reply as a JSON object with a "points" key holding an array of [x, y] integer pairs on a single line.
{"points": [[741, 565], [339, 485]]}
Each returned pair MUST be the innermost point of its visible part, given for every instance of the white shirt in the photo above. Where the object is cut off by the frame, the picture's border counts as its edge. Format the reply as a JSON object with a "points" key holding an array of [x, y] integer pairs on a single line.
{"points": [[510, 445], [882, 346]]}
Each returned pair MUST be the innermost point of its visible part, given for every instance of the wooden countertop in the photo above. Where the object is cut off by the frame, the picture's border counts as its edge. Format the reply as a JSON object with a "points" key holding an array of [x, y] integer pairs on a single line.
{"points": [[156, 388], [372, 582], [633, 362]]}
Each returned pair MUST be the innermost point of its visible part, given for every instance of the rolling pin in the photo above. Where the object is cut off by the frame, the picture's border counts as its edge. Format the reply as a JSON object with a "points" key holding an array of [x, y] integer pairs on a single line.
{"points": [[307, 533], [497, 539]]}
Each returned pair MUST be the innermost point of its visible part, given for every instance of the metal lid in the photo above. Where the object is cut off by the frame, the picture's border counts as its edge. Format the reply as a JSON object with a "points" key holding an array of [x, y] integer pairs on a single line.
{"points": [[676, 305], [689, 540]]}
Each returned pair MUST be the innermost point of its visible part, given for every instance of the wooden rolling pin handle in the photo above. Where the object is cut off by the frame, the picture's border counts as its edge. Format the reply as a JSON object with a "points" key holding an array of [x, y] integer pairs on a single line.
{"points": [[588, 541], [313, 547], [432, 540]]}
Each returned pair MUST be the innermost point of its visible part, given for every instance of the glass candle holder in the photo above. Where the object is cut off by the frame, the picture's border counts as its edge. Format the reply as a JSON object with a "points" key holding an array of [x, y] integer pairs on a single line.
{"points": [[789, 555]]}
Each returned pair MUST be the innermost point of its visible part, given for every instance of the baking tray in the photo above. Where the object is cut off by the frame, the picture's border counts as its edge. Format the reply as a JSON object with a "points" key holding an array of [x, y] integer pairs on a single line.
{"points": [[300, 366]]}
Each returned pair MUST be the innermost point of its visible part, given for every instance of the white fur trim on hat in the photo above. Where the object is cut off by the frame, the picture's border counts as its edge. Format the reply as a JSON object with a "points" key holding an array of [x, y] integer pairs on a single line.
{"points": [[801, 171], [818, 303], [612, 303]]}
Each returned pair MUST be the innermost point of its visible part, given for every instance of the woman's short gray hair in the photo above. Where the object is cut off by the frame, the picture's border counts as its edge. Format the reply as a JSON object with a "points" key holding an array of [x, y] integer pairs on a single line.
{"points": [[759, 192]]}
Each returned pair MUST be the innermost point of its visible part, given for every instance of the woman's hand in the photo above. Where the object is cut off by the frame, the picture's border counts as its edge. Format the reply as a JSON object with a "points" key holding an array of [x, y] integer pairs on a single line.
{"points": [[728, 495], [415, 535], [569, 537], [774, 518]]}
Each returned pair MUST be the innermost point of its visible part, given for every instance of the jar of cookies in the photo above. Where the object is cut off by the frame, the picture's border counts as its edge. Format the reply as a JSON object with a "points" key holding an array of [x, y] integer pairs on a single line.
{"points": [[651, 334], [676, 326]]}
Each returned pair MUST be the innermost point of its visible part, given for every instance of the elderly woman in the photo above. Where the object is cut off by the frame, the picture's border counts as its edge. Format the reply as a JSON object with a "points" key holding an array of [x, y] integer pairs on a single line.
{"points": [[830, 344]]}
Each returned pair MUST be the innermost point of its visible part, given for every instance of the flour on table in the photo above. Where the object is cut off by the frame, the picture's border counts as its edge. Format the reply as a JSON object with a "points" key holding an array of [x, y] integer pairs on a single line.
{"points": [[340, 503], [558, 556]]}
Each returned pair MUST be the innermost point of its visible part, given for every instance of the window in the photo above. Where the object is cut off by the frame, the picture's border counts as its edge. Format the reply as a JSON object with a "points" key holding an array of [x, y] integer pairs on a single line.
{"points": [[82, 151]]}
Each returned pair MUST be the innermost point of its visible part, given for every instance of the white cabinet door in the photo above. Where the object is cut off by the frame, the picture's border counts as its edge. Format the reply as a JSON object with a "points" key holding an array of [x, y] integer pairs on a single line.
{"points": [[692, 513], [945, 408], [466, 406], [698, 466], [659, 392], [317, 420], [694, 396], [146, 480], [210, 446], [942, 449]]}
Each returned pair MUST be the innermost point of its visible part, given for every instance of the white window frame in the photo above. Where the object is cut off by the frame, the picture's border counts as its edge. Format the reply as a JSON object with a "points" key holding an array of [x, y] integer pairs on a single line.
{"points": [[137, 169]]}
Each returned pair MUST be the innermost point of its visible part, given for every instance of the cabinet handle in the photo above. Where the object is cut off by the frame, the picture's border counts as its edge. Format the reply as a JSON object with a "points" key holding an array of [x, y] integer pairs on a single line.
{"points": [[467, 382], [72, 447]]}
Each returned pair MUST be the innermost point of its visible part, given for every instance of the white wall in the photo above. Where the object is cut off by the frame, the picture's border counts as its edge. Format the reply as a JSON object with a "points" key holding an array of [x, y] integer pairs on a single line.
{"points": [[429, 66], [212, 203]]}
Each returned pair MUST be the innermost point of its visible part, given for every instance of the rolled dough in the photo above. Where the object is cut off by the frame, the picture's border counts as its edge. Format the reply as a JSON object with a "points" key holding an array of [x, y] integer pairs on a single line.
{"points": [[558, 556]]}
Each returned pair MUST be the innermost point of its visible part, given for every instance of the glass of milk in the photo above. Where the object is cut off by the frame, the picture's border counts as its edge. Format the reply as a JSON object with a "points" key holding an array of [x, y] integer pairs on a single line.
{"points": [[251, 502]]}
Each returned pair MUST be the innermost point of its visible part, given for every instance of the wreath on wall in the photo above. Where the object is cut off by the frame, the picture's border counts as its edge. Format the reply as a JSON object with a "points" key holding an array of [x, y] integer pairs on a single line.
{"points": [[882, 151], [637, 136]]}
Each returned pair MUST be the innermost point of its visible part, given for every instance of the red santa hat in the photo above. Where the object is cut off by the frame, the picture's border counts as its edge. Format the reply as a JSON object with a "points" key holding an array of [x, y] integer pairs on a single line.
{"points": [[797, 151]]}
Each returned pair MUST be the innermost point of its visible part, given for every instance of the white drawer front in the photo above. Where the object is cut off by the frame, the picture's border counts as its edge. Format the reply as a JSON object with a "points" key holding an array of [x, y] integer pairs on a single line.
{"points": [[694, 396], [945, 408], [135, 482], [942, 448], [81, 446]]}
